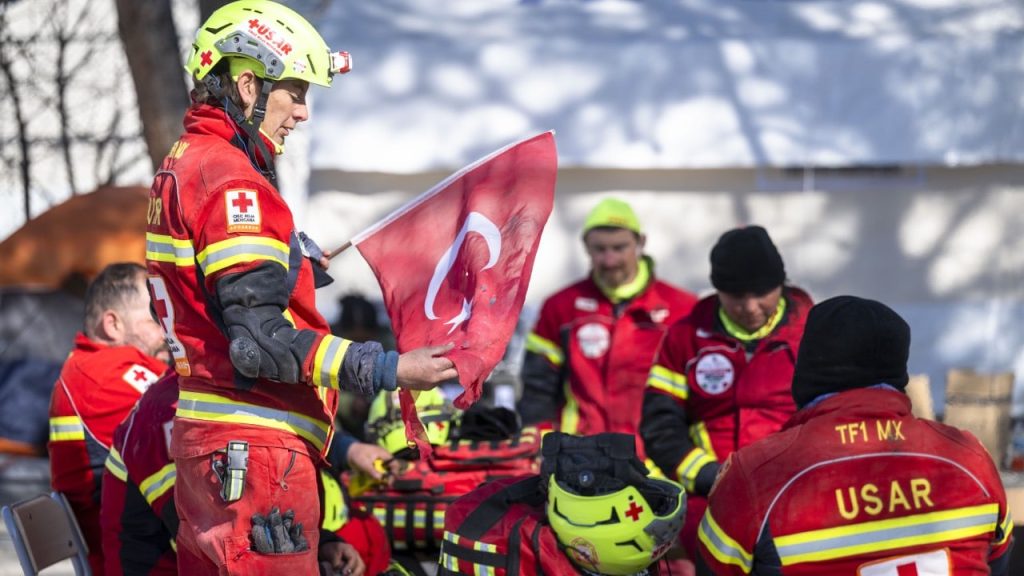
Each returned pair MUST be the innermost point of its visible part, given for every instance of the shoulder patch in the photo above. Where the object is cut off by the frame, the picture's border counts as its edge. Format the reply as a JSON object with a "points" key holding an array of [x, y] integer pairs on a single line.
{"points": [[586, 304], [139, 377], [243, 210], [659, 315]]}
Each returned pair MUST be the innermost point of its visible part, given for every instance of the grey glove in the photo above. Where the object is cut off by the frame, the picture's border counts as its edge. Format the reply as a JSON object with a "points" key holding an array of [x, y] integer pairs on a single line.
{"points": [[277, 533]]}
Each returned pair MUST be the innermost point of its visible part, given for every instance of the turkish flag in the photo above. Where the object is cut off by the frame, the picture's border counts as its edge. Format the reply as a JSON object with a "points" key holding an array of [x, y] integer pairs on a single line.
{"points": [[454, 263]]}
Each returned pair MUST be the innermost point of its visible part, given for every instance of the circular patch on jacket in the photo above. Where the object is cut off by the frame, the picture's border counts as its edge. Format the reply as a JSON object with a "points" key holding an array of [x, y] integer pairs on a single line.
{"points": [[715, 373], [583, 553], [594, 339]]}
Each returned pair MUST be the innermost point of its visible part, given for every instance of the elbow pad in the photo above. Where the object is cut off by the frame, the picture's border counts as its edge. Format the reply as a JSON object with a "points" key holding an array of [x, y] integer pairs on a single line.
{"points": [[263, 343]]}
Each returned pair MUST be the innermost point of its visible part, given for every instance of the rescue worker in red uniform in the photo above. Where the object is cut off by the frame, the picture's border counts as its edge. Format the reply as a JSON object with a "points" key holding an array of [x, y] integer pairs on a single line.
{"points": [[258, 369], [139, 520], [114, 360], [854, 483], [138, 517], [592, 510], [588, 356], [721, 380]]}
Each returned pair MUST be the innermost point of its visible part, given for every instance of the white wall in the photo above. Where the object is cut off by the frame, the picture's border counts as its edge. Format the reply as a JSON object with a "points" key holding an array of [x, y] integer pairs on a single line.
{"points": [[943, 246]]}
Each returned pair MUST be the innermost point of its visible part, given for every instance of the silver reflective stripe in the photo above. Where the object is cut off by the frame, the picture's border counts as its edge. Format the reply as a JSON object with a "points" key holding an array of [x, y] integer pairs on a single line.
{"points": [[222, 254], [113, 461], [159, 485], [874, 537], [325, 365], [736, 555], [288, 419], [179, 252], [66, 429]]}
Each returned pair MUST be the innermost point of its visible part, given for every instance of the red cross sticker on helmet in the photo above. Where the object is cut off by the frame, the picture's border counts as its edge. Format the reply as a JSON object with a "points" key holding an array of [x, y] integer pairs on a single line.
{"points": [[341, 62]]}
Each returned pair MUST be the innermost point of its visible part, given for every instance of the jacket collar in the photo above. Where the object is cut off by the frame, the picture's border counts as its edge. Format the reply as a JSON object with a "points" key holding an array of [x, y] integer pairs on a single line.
{"points": [[863, 401], [214, 121]]}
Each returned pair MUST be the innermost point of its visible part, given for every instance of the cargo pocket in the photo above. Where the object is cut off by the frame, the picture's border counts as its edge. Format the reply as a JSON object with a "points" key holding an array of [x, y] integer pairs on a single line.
{"points": [[241, 559]]}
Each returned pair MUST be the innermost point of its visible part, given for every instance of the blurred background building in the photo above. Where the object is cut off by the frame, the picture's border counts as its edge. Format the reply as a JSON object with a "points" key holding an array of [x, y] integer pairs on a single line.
{"points": [[881, 143]]}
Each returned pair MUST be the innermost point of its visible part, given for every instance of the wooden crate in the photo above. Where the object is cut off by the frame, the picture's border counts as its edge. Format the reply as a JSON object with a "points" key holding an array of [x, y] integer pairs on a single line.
{"points": [[980, 403], [920, 392]]}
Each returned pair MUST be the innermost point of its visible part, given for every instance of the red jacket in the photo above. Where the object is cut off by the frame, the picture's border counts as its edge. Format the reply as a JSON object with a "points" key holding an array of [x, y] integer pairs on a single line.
{"points": [[138, 517], [212, 214], [587, 359], [857, 485], [97, 388], [708, 396]]}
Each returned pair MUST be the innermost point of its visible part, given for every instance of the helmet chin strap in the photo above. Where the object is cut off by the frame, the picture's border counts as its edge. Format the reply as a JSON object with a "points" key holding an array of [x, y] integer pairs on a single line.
{"points": [[251, 126]]}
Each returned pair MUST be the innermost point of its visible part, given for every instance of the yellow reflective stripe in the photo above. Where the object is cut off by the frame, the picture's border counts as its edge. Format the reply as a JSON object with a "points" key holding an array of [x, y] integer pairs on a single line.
{"points": [[570, 413], [447, 560], [335, 511], [701, 438], [889, 534], [213, 408], [158, 483], [690, 466], [667, 381], [546, 348], [722, 546], [288, 316], [1006, 529], [116, 466], [66, 429], [163, 248], [484, 569], [227, 253], [327, 361]]}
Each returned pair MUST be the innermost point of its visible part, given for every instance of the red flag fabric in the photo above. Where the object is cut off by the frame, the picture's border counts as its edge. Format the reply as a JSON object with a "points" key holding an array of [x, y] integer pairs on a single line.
{"points": [[454, 263]]}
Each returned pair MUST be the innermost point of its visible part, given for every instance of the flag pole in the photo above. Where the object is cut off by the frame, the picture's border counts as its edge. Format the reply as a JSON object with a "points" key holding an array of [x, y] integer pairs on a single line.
{"points": [[339, 250]]}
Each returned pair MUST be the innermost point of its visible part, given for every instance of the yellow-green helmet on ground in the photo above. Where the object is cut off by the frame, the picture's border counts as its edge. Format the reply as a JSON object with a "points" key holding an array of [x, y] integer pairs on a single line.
{"points": [[607, 513], [271, 39], [385, 426]]}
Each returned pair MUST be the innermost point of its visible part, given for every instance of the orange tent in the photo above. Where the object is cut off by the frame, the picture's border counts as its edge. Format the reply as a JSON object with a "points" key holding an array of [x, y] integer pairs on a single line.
{"points": [[80, 236]]}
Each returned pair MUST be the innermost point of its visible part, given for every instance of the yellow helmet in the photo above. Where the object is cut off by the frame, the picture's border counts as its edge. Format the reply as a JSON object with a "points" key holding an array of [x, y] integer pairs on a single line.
{"points": [[272, 40], [385, 426], [613, 519]]}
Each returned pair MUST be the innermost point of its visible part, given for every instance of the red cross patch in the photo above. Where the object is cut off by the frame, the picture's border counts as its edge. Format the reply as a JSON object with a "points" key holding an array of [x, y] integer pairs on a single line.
{"points": [[206, 58], [139, 377], [634, 511], [243, 209]]}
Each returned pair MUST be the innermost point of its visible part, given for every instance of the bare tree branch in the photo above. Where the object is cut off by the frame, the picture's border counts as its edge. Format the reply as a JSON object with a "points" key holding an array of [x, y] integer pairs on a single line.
{"points": [[19, 116], [151, 45], [60, 79]]}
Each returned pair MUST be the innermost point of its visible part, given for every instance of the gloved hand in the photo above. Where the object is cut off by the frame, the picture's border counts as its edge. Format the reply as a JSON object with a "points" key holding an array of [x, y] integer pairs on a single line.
{"points": [[277, 533], [320, 261], [705, 479]]}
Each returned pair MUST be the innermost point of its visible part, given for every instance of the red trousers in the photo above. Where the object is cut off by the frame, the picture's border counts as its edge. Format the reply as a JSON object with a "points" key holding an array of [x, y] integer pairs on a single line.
{"points": [[213, 535]]}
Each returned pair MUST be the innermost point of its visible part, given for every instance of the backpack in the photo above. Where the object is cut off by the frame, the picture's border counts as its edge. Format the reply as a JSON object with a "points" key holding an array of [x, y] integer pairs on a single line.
{"points": [[412, 508]]}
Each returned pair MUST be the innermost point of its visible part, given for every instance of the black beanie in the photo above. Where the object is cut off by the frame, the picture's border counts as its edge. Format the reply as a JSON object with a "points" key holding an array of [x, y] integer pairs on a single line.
{"points": [[745, 260], [848, 343]]}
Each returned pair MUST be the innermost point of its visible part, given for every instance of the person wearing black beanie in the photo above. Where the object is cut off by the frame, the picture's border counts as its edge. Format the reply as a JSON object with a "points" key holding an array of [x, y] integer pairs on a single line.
{"points": [[850, 342], [722, 377], [854, 483]]}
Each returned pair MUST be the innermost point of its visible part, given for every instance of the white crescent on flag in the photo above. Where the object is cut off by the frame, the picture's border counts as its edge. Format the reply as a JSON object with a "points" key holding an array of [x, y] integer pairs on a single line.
{"points": [[480, 224]]}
